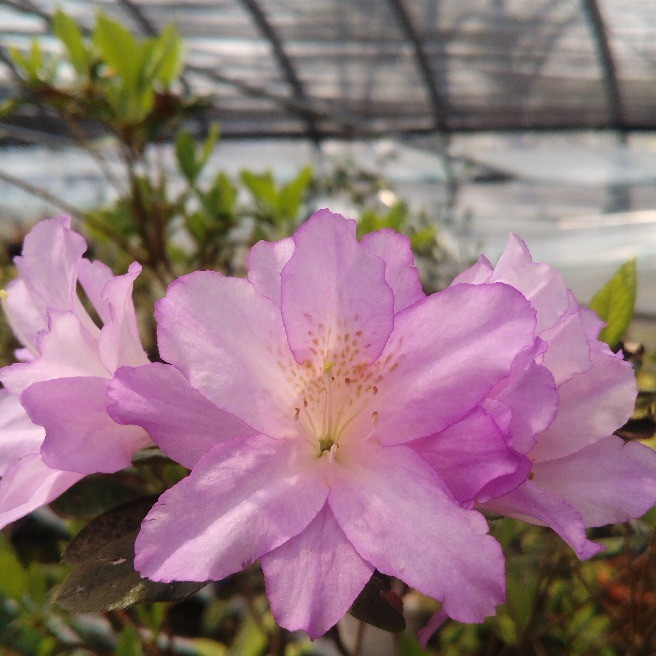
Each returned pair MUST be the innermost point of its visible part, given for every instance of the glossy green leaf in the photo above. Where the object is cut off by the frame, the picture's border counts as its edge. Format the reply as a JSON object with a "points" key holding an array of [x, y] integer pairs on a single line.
{"points": [[614, 303], [94, 495], [185, 151], [291, 194], [105, 578]]}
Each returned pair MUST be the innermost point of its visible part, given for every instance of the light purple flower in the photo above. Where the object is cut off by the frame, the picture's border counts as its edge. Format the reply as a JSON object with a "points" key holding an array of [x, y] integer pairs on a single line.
{"points": [[582, 475], [67, 363], [294, 398]]}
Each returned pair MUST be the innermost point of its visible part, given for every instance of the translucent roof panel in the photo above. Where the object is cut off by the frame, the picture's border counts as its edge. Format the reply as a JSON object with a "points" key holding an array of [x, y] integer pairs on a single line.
{"points": [[369, 67]]}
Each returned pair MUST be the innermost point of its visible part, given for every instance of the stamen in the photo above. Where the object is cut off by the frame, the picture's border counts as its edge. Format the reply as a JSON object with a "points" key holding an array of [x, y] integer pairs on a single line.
{"points": [[374, 425], [333, 452], [308, 417], [328, 410]]}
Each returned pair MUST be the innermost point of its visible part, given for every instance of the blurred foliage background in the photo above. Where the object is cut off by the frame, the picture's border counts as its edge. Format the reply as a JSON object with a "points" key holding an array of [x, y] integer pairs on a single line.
{"points": [[122, 102]]}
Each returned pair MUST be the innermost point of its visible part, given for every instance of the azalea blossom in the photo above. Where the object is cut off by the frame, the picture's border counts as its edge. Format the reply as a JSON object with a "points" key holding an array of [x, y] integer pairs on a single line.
{"points": [[580, 475], [65, 367], [294, 398]]}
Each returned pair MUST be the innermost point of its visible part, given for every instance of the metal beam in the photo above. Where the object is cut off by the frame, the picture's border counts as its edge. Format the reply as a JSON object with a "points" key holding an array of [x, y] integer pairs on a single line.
{"points": [[438, 104], [285, 63], [617, 115]]}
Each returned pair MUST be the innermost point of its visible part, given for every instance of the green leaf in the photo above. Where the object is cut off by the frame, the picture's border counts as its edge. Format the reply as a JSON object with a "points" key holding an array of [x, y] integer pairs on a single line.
{"points": [[105, 578], [94, 495], [128, 643], [171, 60], [410, 646], [13, 581], [261, 186], [207, 647], [185, 151], [67, 31], [251, 640], [291, 195], [118, 48], [614, 303]]}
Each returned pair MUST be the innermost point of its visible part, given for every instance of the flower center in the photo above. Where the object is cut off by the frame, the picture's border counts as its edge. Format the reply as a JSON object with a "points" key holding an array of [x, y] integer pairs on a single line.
{"points": [[332, 403]]}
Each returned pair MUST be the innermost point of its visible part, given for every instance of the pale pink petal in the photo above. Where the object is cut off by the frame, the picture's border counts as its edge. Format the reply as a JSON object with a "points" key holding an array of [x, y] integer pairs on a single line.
{"points": [[333, 287], [28, 484], [48, 265], [400, 271], [265, 262], [391, 506], [568, 351], [591, 322], [608, 482], [479, 273], [445, 354], [67, 349], [433, 625], [18, 435], [593, 405], [531, 504], [178, 418], [80, 435], [229, 342], [530, 394], [119, 342], [24, 318], [243, 499], [313, 578], [93, 276], [471, 453], [541, 284]]}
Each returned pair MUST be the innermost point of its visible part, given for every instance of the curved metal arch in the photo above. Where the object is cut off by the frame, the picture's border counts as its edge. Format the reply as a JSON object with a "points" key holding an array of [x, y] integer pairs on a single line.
{"points": [[285, 63], [438, 104], [617, 115]]}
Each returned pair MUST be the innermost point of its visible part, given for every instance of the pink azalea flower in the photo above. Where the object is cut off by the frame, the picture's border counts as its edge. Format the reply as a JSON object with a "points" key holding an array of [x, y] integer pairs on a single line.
{"points": [[294, 399], [582, 474], [67, 363]]}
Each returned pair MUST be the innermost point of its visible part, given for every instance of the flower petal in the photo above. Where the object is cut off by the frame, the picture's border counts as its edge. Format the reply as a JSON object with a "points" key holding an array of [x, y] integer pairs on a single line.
{"points": [[313, 578], [178, 418], [534, 505], [80, 435], [18, 435], [592, 406], [608, 482], [48, 266], [265, 263], [400, 271], [119, 342], [392, 507], [28, 484], [477, 274], [243, 499], [470, 454], [568, 349], [445, 355], [67, 349], [530, 394], [331, 287], [540, 283], [229, 342], [93, 275]]}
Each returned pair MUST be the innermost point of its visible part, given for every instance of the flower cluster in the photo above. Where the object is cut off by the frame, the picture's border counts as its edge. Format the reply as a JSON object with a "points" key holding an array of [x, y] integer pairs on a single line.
{"points": [[336, 420]]}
